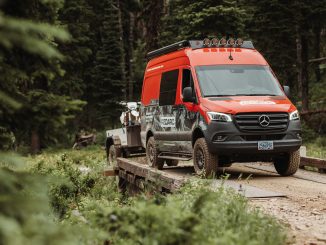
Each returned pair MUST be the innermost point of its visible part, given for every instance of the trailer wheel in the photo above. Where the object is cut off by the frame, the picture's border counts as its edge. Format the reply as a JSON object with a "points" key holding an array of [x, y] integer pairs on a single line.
{"points": [[205, 163], [171, 162], [289, 164], [113, 153], [152, 154]]}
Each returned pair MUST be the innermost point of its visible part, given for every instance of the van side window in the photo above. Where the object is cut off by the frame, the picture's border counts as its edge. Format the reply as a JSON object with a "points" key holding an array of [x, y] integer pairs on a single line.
{"points": [[187, 80], [168, 87]]}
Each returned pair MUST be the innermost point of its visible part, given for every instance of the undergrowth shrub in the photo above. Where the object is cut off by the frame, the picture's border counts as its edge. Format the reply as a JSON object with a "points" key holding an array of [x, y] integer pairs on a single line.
{"points": [[25, 212], [195, 215], [82, 196], [72, 177]]}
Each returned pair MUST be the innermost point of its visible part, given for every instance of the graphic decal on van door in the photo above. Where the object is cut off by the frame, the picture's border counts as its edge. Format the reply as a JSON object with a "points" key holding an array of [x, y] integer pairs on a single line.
{"points": [[167, 122], [172, 124]]}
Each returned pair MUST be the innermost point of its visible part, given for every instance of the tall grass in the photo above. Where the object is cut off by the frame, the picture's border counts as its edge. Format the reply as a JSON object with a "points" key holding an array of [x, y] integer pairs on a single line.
{"points": [[81, 195]]}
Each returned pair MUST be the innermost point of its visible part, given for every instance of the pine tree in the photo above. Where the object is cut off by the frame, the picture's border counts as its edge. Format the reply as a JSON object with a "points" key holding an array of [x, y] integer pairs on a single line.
{"points": [[30, 62], [200, 19], [109, 77]]}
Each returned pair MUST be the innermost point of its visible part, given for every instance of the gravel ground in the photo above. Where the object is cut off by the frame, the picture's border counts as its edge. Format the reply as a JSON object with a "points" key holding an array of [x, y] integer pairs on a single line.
{"points": [[304, 208]]}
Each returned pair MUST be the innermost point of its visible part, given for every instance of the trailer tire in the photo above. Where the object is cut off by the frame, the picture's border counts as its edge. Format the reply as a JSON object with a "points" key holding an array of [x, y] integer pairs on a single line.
{"points": [[289, 164], [205, 163], [171, 162], [113, 153], [152, 154]]}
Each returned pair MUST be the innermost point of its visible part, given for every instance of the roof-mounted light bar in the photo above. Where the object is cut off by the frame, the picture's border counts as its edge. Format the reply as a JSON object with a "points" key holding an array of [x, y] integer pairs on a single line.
{"points": [[197, 44]]}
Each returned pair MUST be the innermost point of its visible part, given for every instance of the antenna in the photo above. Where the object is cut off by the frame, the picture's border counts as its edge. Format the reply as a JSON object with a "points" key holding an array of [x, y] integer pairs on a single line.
{"points": [[230, 56], [231, 44]]}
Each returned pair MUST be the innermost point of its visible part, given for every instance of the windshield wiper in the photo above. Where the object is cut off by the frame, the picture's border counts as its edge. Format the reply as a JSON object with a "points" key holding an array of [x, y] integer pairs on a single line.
{"points": [[219, 95], [255, 95]]}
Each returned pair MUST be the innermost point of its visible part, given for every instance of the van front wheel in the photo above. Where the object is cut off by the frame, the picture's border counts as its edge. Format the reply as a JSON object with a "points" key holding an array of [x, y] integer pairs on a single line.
{"points": [[288, 164], [152, 154], [205, 163]]}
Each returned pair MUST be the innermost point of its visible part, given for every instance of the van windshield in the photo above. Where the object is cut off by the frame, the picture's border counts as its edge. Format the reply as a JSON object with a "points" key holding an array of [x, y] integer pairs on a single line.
{"points": [[237, 80]]}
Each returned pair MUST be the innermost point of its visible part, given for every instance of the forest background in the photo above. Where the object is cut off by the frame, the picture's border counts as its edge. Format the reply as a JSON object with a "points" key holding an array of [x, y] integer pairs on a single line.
{"points": [[66, 65]]}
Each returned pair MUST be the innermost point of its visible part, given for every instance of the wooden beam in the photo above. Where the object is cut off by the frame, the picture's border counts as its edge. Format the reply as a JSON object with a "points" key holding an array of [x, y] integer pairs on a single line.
{"points": [[111, 172], [313, 162], [312, 112], [317, 59]]}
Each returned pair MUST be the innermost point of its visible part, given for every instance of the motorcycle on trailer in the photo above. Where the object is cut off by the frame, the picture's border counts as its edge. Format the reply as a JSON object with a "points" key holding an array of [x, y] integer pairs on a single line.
{"points": [[125, 141]]}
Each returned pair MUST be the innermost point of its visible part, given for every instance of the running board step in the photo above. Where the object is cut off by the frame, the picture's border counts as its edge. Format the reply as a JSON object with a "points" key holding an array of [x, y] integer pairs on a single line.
{"points": [[175, 157]]}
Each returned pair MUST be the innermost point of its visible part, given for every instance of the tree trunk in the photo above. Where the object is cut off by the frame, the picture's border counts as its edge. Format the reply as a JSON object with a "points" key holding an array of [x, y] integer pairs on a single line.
{"points": [[152, 17], [131, 56], [317, 30], [123, 64], [299, 62], [35, 142], [305, 74]]}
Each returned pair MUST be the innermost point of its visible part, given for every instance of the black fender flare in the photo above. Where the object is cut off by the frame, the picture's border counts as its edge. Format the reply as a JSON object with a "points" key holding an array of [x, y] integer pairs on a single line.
{"points": [[197, 133], [108, 142]]}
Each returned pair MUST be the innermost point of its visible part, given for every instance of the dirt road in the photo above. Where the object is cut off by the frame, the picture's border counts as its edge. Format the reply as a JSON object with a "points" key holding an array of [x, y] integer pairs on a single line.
{"points": [[304, 207]]}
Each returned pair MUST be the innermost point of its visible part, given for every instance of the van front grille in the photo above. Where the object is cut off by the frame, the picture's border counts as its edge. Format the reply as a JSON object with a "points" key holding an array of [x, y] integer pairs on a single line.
{"points": [[262, 122]]}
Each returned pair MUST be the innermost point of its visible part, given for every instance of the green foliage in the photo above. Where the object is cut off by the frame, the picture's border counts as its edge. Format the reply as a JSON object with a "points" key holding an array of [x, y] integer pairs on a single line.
{"points": [[196, 215], [74, 176], [109, 81], [29, 63], [25, 213], [317, 147], [200, 19]]}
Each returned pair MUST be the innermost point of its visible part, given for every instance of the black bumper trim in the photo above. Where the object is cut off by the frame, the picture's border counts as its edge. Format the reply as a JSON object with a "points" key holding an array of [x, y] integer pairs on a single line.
{"points": [[233, 143]]}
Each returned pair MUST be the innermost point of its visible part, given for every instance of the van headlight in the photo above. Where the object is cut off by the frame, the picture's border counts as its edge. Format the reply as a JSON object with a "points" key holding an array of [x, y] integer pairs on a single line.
{"points": [[221, 117], [294, 116]]}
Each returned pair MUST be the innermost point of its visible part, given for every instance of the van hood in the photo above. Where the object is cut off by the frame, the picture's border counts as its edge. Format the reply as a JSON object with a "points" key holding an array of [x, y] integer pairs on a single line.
{"points": [[240, 104]]}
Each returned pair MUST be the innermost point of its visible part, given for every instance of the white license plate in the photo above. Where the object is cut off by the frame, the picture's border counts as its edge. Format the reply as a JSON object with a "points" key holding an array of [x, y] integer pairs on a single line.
{"points": [[265, 145]]}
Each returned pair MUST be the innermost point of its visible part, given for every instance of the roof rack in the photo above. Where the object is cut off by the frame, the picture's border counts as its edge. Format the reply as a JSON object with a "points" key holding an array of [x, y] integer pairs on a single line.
{"points": [[194, 44]]}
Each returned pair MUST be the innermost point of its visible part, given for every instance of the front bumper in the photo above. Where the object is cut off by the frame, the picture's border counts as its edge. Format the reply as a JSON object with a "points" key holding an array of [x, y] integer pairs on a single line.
{"points": [[234, 142]]}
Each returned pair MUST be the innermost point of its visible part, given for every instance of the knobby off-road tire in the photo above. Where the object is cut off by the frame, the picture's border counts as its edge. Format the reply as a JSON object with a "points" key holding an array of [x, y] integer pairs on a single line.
{"points": [[205, 163], [171, 162], [112, 155], [288, 165], [152, 154]]}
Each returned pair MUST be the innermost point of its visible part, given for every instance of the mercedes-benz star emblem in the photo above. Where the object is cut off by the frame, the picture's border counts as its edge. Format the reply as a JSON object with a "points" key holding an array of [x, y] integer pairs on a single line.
{"points": [[264, 120]]}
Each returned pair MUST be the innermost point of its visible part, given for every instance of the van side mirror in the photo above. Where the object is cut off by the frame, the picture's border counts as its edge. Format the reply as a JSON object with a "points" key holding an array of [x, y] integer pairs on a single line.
{"points": [[187, 94], [286, 90]]}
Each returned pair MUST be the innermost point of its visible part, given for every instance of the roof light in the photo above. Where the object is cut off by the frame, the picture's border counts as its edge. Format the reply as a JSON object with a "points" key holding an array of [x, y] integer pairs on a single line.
{"points": [[231, 42], [206, 42], [214, 42], [222, 42], [239, 42]]}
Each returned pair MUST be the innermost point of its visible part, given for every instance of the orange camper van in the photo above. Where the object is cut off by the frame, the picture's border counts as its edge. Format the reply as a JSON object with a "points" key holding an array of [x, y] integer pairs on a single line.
{"points": [[216, 102]]}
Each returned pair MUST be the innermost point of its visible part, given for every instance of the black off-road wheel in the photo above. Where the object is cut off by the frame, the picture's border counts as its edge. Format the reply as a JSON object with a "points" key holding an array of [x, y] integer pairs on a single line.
{"points": [[112, 155], [171, 162], [288, 164], [205, 163], [152, 154]]}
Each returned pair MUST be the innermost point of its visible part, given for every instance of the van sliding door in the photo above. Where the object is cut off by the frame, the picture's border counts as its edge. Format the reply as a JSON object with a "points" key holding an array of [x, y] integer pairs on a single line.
{"points": [[165, 128]]}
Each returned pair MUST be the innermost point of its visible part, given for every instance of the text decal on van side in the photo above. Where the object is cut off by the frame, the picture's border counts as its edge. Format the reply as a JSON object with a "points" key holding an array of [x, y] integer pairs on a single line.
{"points": [[167, 122], [155, 68], [257, 102]]}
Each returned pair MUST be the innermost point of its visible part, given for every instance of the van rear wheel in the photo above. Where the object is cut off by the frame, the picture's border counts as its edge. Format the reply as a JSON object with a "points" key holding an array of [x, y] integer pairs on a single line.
{"points": [[152, 154], [205, 163], [288, 164], [113, 154]]}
